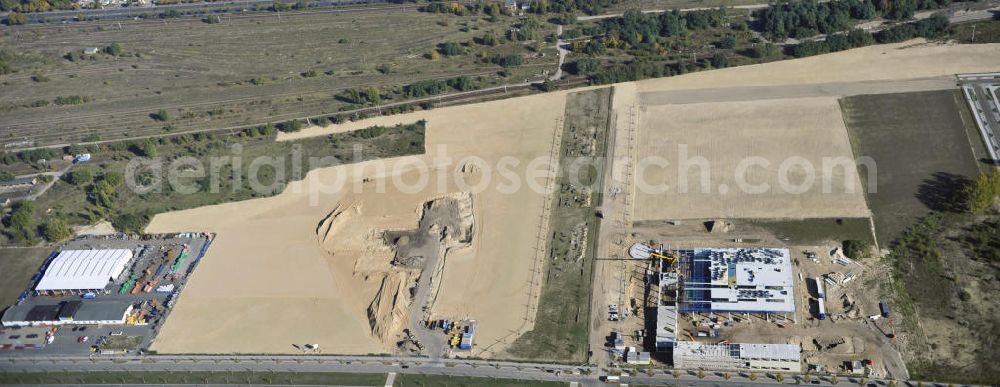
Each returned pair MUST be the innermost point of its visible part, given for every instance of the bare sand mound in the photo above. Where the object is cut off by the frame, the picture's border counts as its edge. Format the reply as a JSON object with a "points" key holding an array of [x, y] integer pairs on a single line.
{"points": [[311, 265], [388, 312]]}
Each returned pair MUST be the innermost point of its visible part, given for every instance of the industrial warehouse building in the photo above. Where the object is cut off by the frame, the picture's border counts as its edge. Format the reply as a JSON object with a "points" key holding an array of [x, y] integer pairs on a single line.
{"points": [[67, 313], [750, 357], [81, 271]]}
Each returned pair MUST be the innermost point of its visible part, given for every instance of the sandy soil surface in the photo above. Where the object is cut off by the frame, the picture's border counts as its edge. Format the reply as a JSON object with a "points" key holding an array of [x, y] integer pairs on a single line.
{"points": [[305, 266], [718, 115], [271, 279], [907, 60], [100, 228], [798, 135]]}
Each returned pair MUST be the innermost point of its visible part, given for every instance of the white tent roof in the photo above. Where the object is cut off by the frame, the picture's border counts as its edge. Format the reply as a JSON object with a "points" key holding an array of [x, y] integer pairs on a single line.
{"points": [[84, 269]]}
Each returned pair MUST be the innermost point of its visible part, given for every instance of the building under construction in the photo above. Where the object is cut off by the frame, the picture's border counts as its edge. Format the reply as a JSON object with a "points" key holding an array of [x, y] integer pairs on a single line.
{"points": [[706, 280], [757, 280]]}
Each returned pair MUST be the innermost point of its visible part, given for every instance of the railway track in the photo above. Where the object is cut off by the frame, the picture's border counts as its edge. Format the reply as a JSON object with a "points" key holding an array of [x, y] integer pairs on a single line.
{"points": [[289, 105], [495, 92]]}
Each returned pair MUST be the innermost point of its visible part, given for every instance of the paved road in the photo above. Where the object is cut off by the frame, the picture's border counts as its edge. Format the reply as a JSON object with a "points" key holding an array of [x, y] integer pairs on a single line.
{"points": [[833, 89], [981, 93], [563, 51], [55, 176], [382, 365]]}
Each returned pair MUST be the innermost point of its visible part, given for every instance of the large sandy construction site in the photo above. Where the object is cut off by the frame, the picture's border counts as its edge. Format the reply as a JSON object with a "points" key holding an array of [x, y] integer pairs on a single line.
{"points": [[310, 265]]}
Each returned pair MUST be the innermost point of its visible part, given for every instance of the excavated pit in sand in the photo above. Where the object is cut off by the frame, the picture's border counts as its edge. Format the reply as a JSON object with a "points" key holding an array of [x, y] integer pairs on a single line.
{"points": [[444, 223]]}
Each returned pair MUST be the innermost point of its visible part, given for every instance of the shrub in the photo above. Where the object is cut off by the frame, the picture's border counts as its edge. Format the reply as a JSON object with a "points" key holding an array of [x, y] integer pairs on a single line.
{"points": [[727, 42], [16, 18], [855, 249], [291, 126], [160, 115], [80, 176], [451, 49], [70, 100], [55, 230], [584, 66], [509, 60], [21, 223], [113, 49]]}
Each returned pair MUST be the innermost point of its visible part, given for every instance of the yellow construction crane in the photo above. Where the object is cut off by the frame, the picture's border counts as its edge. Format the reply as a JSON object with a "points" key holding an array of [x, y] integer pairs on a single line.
{"points": [[668, 257]]}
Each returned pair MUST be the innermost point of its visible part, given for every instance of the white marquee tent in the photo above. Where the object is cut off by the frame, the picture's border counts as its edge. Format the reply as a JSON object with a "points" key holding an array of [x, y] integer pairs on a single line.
{"points": [[84, 269]]}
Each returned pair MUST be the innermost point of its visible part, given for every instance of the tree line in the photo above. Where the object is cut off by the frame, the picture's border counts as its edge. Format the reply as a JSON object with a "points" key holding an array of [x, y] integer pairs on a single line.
{"points": [[643, 31], [641, 26], [806, 18], [931, 28], [540, 7]]}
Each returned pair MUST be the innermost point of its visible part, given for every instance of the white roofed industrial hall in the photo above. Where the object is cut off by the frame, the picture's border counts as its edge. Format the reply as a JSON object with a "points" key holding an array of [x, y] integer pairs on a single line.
{"points": [[77, 270]]}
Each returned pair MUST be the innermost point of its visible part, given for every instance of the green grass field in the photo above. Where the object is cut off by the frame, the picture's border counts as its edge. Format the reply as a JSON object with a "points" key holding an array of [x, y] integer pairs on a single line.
{"points": [[17, 265], [808, 231], [985, 32], [561, 323], [922, 150], [924, 145]]}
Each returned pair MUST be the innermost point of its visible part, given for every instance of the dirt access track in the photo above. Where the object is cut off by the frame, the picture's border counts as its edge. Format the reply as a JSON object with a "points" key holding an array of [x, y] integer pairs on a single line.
{"points": [[305, 266]]}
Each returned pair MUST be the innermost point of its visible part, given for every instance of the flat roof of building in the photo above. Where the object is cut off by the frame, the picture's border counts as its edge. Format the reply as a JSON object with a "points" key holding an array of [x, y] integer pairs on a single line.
{"points": [[102, 311], [666, 323], [87, 310], [789, 352], [84, 269], [755, 280]]}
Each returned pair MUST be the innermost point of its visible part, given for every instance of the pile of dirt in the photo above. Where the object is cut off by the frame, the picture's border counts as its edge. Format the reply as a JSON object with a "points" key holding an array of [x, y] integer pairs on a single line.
{"points": [[335, 220], [387, 314]]}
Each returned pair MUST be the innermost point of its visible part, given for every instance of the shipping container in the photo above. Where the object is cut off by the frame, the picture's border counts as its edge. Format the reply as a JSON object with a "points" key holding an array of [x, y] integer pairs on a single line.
{"points": [[884, 308]]}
